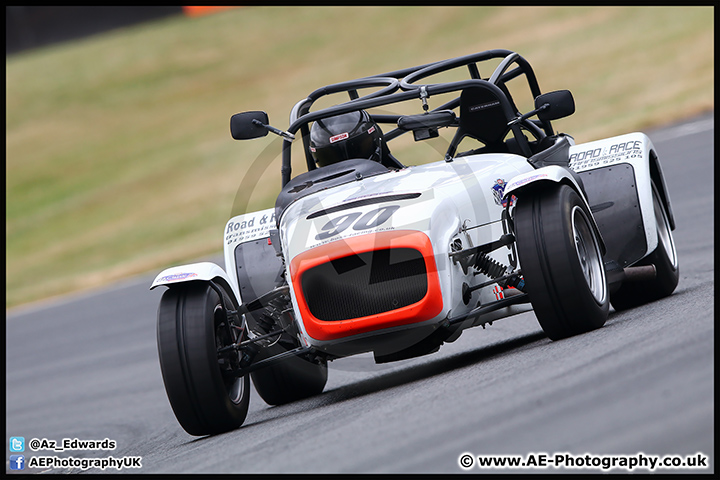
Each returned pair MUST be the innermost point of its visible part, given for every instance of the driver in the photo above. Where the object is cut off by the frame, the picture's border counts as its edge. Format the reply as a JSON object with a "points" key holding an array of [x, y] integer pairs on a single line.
{"points": [[349, 135]]}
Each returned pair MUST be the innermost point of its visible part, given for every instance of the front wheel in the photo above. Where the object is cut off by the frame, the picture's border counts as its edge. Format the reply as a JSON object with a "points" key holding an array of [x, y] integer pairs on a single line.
{"points": [[561, 262], [204, 394]]}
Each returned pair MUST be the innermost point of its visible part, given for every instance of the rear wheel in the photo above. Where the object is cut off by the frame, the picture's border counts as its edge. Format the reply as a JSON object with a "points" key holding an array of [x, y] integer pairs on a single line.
{"points": [[292, 379], [204, 394], [561, 261], [664, 257]]}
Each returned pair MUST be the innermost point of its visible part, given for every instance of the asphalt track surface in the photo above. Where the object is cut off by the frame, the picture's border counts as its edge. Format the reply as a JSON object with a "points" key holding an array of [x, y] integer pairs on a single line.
{"points": [[86, 367]]}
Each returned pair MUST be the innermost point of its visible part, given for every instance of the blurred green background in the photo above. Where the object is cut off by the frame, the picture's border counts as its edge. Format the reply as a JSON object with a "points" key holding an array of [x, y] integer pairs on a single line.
{"points": [[119, 156]]}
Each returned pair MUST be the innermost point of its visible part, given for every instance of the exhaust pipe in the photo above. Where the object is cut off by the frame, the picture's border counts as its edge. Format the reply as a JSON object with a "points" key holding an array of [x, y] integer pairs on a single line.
{"points": [[642, 273]]}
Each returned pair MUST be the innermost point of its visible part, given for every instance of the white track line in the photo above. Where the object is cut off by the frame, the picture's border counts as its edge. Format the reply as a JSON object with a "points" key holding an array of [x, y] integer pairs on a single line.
{"points": [[687, 129]]}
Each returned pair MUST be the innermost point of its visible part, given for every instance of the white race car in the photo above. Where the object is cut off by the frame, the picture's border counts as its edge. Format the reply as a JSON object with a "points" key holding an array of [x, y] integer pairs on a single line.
{"points": [[368, 253]]}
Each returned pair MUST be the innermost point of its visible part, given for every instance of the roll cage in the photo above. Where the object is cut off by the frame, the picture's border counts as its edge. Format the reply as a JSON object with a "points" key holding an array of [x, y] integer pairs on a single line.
{"points": [[402, 85]]}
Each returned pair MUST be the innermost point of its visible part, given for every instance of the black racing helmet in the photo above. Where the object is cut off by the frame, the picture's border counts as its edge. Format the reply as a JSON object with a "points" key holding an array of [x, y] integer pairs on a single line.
{"points": [[346, 136]]}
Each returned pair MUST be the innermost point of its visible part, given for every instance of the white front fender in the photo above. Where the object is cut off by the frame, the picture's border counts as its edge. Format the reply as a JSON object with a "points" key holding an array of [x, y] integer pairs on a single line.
{"points": [[203, 271], [555, 174]]}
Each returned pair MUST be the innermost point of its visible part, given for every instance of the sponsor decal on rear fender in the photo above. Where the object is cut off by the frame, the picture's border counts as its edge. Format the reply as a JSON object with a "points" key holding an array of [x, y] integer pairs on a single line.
{"points": [[250, 226], [624, 148]]}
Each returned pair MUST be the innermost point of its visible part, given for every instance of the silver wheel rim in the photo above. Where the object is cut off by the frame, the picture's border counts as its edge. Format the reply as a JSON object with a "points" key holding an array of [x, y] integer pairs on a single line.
{"points": [[663, 230], [235, 388], [589, 256]]}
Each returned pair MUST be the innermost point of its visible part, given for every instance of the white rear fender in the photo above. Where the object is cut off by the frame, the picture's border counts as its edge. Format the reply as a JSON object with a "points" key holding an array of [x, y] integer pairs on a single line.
{"points": [[194, 272], [634, 150]]}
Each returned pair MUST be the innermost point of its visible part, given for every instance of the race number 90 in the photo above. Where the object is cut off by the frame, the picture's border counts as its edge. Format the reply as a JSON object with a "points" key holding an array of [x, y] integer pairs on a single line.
{"points": [[357, 220]]}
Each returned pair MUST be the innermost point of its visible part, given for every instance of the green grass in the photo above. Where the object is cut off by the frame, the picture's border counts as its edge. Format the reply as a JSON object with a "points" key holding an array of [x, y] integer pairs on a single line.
{"points": [[119, 157]]}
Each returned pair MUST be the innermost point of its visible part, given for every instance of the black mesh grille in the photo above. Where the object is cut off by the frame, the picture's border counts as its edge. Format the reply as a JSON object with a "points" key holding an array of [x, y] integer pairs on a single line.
{"points": [[365, 284]]}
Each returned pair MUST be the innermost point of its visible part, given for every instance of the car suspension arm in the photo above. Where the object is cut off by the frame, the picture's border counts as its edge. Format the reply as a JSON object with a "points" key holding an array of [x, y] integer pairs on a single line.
{"points": [[466, 257], [266, 362], [483, 309]]}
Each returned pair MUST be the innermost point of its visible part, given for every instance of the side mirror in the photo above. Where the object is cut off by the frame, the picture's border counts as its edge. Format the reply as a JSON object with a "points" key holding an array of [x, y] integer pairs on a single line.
{"points": [[561, 104], [243, 125]]}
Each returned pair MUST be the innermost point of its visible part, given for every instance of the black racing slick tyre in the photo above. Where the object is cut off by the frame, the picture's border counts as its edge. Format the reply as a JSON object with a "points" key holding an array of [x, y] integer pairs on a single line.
{"points": [[665, 259], [292, 379], [561, 262], [205, 397]]}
